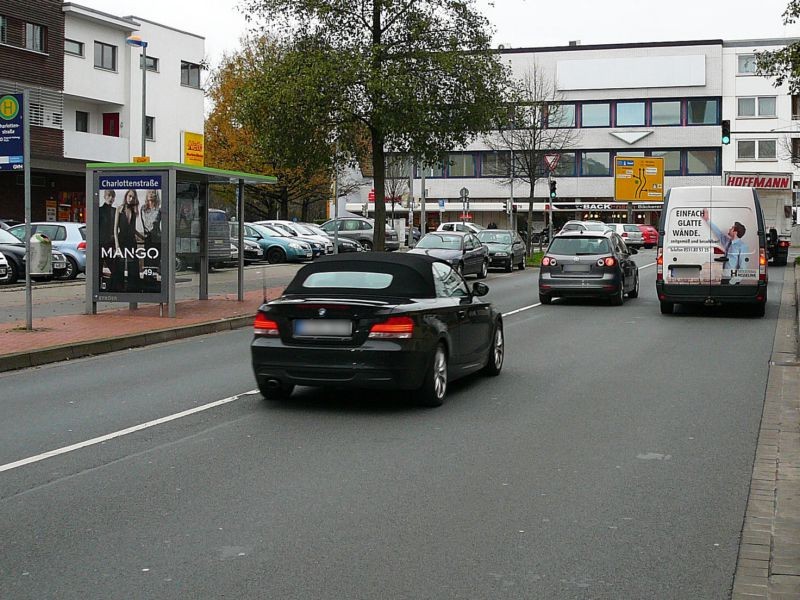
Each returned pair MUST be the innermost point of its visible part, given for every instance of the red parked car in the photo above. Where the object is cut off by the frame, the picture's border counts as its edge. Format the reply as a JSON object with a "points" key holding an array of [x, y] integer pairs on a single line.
{"points": [[649, 236]]}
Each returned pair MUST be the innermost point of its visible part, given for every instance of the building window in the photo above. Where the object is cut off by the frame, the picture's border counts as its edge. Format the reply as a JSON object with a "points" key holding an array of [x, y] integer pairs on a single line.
{"points": [[190, 74], [666, 113], [702, 162], [746, 64], [152, 63], [756, 150], [461, 165], [762, 106], [561, 115], [105, 56], [596, 115], [630, 114], [566, 165], [495, 164], [434, 171], [795, 150], [73, 47], [150, 128], [81, 121], [3, 30], [702, 112], [672, 160], [397, 166], [34, 37], [595, 163]]}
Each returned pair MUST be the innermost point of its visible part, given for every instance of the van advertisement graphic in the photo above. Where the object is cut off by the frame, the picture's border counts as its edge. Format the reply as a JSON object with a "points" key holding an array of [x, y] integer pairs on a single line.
{"points": [[130, 242], [716, 246]]}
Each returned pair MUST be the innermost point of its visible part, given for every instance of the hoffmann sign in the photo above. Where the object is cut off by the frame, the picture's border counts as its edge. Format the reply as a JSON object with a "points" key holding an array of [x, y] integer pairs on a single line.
{"points": [[765, 181]]}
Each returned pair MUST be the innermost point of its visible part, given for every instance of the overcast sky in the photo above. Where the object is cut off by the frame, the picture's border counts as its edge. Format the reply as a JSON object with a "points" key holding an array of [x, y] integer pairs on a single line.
{"points": [[518, 23]]}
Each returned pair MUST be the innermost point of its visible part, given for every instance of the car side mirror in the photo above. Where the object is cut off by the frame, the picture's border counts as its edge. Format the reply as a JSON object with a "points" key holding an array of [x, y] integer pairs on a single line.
{"points": [[480, 289]]}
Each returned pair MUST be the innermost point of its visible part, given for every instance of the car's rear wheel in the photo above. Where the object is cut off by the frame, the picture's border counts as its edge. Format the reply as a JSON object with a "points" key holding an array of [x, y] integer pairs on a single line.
{"points": [[634, 293], [509, 267], [275, 255], [13, 272], [71, 272], [618, 297], [521, 265], [484, 270], [366, 244], [275, 393], [545, 298], [494, 363], [434, 388], [667, 307]]}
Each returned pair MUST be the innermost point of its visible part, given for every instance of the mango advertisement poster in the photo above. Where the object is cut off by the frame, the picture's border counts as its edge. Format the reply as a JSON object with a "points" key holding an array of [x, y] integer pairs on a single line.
{"points": [[703, 246]]}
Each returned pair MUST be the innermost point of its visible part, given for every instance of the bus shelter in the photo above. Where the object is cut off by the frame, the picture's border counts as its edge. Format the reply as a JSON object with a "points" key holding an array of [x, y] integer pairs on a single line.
{"points": [[143, 219]]}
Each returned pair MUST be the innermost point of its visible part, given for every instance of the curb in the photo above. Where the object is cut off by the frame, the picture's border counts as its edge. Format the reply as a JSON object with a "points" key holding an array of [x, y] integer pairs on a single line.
{"points": [[768, 564], [25, 360]]}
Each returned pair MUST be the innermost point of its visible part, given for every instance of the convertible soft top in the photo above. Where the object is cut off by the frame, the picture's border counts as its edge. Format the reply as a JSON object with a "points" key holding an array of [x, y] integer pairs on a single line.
{"points": [[412, 274]]}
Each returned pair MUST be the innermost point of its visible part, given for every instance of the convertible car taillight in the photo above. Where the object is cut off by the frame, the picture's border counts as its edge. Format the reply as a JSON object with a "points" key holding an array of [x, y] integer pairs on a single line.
{"points": [[398, 328], [264, 326]]}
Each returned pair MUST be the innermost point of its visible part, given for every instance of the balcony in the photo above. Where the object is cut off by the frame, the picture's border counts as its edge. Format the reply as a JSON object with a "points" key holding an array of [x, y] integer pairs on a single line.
{"points": [[94, 147]]}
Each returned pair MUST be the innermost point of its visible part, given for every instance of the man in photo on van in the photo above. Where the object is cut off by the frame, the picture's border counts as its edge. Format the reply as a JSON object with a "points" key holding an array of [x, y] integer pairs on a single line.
{"points": [[733, 246]]}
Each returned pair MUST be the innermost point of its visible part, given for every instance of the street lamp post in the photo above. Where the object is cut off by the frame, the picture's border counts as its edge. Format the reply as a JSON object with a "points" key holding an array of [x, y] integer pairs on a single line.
{"points": [[135, 40]]}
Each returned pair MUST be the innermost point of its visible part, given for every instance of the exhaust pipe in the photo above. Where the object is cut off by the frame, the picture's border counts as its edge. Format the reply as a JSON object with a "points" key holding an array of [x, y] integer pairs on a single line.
{"points": [[273, 384]]}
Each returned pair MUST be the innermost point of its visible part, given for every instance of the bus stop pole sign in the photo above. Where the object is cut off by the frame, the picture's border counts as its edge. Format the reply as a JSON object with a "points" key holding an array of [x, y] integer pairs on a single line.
{"points": [[11, 133]]}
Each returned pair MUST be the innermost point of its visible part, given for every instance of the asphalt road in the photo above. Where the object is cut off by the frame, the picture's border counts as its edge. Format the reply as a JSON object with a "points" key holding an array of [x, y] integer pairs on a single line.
{"points": [[611, 459]]}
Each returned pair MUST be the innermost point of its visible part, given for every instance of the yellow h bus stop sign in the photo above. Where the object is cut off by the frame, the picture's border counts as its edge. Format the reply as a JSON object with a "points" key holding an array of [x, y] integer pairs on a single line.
{"points": [[639, 179]]}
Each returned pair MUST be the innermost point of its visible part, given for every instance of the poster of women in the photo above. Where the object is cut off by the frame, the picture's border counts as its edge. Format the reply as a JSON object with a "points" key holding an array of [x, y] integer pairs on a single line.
{"points": [[130, 239]]}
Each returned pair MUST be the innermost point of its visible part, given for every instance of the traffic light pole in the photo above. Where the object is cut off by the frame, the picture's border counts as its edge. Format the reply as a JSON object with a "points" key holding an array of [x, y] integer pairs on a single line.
{"points": [[549, 206]]}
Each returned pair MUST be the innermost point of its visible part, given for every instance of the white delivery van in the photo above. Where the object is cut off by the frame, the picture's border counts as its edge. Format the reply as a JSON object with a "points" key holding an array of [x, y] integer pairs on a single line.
{"points": [[712, 248]]}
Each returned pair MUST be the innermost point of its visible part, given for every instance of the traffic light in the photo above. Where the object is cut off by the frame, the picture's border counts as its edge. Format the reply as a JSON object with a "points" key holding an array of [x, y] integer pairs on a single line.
{"points": [[553, 190], [726, 132]]}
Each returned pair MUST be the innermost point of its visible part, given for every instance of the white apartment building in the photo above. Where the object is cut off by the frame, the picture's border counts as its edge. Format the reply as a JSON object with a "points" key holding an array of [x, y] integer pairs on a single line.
{"points": [[103, 87], [765, 121], [664, 99]]}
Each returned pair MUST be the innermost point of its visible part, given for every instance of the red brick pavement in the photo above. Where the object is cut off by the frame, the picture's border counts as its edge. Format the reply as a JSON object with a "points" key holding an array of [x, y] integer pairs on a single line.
{"points": [[60, 331]]}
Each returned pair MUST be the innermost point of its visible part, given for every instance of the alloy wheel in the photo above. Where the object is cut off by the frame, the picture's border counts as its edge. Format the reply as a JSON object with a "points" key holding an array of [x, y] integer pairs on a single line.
{"points": [[440, 373]]}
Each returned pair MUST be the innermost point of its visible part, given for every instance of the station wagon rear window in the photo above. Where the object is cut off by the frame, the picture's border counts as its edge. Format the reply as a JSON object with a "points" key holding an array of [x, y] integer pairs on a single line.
{"points": [[577, 246], [360, 280]]}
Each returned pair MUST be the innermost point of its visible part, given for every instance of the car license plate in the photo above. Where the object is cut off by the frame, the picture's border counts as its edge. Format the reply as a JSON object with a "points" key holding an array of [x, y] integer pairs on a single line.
{"points": [[576, 268], [323, 327], [59, 265], [2, 271]]}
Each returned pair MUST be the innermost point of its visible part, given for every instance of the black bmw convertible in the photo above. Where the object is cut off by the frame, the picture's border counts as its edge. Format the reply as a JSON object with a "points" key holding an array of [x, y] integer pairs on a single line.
{"points": [[376, 320]]}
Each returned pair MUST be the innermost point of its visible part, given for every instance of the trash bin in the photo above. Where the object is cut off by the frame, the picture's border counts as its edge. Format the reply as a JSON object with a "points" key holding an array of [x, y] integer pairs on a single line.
{"points": [[41, 258]]}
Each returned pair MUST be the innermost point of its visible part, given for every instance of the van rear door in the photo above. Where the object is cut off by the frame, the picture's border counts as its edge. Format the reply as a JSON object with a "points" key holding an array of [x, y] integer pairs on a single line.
{"points": [[687, 254], [733, 226]]}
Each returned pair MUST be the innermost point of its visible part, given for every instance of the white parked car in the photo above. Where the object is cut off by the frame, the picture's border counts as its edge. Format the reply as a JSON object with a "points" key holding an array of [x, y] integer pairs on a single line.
{"points": [[461, 226], [630, 234]]}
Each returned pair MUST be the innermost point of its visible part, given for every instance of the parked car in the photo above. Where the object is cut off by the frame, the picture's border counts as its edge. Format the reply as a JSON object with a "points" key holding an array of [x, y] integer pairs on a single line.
{"points": [[506, 248], [8, 223], [394, 311], [68, 238], [463, 226], [581, 264], [649, 236], [252, 252], [344, 244], [585, 226], [319, 242], [463, 251], [14, 252], [278, 248], [3, 268], [630, 234], [362, 230]]}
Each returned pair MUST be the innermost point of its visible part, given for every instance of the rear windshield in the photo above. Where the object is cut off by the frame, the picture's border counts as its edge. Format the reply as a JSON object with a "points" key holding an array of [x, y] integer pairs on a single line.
{"points": [[360, 280], [595, 226], [578, 246], [631, 228]]}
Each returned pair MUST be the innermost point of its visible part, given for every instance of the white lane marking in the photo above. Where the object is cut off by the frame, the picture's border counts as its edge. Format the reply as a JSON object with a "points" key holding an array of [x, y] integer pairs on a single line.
{"points": [[524, 308], [121, 432]]}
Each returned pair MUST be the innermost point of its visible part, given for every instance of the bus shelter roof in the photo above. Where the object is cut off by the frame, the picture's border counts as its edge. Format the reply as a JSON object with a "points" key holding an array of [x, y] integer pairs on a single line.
{"points": [[210, 174]]}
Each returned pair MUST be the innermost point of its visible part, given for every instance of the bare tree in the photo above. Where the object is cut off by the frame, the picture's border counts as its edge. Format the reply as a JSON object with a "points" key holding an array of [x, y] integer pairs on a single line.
{"points": [[539, 123], [397, 167]]}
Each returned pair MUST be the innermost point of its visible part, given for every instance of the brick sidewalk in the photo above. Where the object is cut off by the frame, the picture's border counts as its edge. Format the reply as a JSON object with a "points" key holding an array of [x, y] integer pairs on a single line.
{"points": [[73, 336]]}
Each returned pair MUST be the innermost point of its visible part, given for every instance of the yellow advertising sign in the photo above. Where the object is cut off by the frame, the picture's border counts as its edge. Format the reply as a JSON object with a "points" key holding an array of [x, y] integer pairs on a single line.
{"points": [[141, 159], [193, 149], [639, 179]]}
